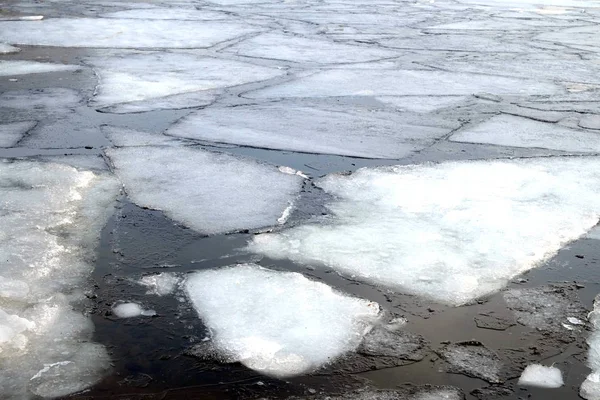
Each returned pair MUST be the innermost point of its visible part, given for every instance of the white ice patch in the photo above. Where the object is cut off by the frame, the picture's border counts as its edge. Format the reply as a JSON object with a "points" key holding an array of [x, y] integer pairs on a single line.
{"points": [[51, 216], [349, 131], [7, 49], [451, 232], [209, 192], [120, 33], [277, 46], [381, 82], [541, 376], [10, 134], [508, 130], [160, 284], [156, 78], [17, 67], [131, 310], [278, 323], [590, 388]]}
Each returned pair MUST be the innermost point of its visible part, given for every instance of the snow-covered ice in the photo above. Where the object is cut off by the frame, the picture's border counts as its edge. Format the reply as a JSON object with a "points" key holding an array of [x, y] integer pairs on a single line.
{"points": [[17, 67], [120, 33], [393, 82], [451, 232], [11, 133], [278, 323], [131, 310], [541, 376], [156, 78], [277, 46], [51, 216], [344, 130], [209, 192], [160, 284], [509, 130]]}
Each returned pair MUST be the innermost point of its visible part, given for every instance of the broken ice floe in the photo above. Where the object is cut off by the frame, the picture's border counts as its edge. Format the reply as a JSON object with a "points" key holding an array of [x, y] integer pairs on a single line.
{"points": [[392, 82], [120, 33], [279, 46], [131, 310], [590, 388], [17, 67], [141, 82], [12, 133], [541, 376], [160, 284], [475, 360], [508, 130], [348, 130], [209, 192], [51, 216], [452, 232], [278, 323], [7, 49]]}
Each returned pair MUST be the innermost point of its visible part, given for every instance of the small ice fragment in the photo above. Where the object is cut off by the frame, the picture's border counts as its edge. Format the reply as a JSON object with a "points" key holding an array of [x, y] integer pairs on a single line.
{"points": [[575, 321], [23, 18], [541, 376], [7, 49], [160, 284], [130, 310]]}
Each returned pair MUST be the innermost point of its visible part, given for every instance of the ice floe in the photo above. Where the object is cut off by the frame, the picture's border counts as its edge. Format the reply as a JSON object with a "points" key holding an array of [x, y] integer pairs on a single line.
{"points": [[382, 82], [541, 376], [51, 216], [11, 133], [17, 67], [590, 388], [38, 100], [7, 49], [152, 81], [347, 130], [131, 310], [278, 323], [120, 33], [451, 232], [182, 14], [420, 104], [508, 130], [278, 46], [209, 192], [475, 360]]}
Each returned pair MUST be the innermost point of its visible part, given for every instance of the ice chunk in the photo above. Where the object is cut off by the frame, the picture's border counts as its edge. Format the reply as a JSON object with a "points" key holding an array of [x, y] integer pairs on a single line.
{"points": [[209, 192], [137, 78], [475, 360], [278, 323], [120, 33], [590, 388], [381, 82], [452, 232], [51, 216], [7, 49], [160, 284], [10, 134], [277, 46], [130, 310], [17, 67], [347, 130], [508, 130], [541, 376]]}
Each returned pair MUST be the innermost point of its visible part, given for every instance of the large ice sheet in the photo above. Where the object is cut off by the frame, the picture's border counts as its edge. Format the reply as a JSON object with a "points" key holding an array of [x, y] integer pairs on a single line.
{"points": [[382, 82], [452, 232], [209, 192], [120, 33], [11, 133], [347, 130], [278, 46], [508, 130], [278, 323], [18, 67], [51, 216], [149, 81]]}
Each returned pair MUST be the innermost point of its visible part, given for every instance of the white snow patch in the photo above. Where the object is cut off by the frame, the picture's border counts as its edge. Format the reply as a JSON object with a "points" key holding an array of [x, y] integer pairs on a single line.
{"points": [[541, 376], [508, 130], [131, 310], [17, 67], [11, 133], [451, 232], [347, 130], [120, 33], [157, 77], [209, 192], [51, 216], [278, 323], [160, 284]]}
